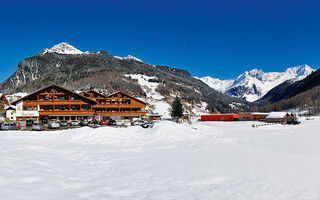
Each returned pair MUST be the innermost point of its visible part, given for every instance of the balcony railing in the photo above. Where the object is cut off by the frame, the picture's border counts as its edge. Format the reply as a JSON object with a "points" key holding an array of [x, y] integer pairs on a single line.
{"points": [[53, 102], [66, 112], [120, 113]]}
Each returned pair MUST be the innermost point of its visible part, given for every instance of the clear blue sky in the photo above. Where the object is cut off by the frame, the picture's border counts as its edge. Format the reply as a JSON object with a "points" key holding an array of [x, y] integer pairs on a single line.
{"points": [[206, 37]]}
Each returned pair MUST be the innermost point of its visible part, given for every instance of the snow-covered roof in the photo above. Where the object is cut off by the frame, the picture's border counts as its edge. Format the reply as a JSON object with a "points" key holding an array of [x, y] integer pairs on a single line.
{"points": [[10, 106], [277, 115], [259, 113]]}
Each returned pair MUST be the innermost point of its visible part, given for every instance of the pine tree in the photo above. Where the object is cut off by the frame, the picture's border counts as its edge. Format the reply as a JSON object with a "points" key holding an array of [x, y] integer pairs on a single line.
{"points": [[177, 108]]}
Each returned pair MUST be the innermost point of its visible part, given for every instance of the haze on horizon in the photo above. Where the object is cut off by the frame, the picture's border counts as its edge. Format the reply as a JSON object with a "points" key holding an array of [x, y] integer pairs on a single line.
{"points": [[208, 38]]}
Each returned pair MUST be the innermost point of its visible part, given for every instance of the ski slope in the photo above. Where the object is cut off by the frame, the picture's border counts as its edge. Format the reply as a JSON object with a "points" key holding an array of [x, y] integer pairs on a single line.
{"points": [[208, 160]]}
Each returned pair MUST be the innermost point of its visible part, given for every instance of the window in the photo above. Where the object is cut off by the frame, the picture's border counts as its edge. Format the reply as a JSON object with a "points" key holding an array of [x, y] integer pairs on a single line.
{"points": [[30, 108], [20, 118], [62, 98], [25, 108], [34, 119], [35, 108], [62, 107], [75, 108], [71, 98]]}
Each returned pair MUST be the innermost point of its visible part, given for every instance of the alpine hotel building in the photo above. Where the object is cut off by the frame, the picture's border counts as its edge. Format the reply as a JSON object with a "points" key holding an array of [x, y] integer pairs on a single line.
{"points": [[56, 102]]}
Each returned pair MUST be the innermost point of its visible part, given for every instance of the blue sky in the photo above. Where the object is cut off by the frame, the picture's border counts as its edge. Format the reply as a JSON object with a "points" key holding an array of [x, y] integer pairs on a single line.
{"points": [[206, 37]]}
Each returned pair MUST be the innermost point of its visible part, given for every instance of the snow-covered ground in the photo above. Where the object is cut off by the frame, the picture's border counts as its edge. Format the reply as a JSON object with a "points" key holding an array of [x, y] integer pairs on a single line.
{"points": [[212, 160]]}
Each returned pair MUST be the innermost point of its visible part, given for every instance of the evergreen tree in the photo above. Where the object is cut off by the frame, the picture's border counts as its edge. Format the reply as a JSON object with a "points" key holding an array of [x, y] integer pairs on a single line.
{"points": [[177, 108]]}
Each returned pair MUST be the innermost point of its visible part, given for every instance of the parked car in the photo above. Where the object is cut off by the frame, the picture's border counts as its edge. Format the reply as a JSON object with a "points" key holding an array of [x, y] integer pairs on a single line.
{"points": [[54, 124], [63, 123], [37, 126], [84, 122], [18, 124], [29, 122], [74, 123], [137, 122], [104, 122], [112, 122], [147, 125], [9, 126]]}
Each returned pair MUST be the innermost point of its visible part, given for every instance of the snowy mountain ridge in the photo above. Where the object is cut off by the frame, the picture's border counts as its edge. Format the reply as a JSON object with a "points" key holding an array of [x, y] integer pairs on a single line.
{"points": [[62, 48], [254, 84], [129, 57], [66, 48]]}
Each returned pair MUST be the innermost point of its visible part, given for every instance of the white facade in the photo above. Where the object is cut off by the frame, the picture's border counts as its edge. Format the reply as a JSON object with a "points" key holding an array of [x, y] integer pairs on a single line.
{"points": [[11, 114], [25, 113]]}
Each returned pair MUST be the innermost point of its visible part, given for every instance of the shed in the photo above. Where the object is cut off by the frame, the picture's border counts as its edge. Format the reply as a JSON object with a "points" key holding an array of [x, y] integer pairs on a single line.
{"points": [[245, 116], [257, 116], [277, 117]]}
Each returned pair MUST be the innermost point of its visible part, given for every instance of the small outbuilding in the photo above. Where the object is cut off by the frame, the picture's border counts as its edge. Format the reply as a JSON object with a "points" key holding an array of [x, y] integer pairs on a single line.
{"points": [[245, 117], [277, 117], [258, 116], [155, 116]]}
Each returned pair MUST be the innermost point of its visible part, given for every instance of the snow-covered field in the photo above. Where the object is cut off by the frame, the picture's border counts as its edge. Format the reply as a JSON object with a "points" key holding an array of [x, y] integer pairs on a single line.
{"points": [[217, 160]]}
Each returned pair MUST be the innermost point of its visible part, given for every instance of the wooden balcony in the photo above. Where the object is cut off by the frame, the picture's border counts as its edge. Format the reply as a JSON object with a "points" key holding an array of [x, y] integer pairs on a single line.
{"points": [[53, 102], [105, 113], [115, 106], [66, 112]]}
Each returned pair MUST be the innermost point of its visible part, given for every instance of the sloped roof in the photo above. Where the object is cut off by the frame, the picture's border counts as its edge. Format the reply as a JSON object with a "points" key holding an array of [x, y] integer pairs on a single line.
{"points": [[53, 85], [276, 115], [127, 95], [93, 91], [259, 113]]}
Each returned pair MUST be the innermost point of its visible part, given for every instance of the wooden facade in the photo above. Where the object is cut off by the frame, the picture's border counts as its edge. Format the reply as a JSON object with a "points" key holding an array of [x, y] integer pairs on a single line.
{"points": [[117, 104], [56, 102], [255, 116]]}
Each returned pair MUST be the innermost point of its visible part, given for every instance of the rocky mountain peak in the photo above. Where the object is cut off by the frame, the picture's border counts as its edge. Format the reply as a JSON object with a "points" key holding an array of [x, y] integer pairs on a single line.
{"points": [[62, 48]]}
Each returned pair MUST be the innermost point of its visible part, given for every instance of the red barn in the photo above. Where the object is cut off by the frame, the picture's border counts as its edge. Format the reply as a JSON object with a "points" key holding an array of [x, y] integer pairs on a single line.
{"points": [[220, 117]]}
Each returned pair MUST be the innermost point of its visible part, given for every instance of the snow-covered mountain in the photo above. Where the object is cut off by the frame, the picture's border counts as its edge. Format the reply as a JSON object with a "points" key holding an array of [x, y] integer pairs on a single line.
{"points": [[254, 84], [62, 48], [129, 57], [66, 48], [217, 84]]}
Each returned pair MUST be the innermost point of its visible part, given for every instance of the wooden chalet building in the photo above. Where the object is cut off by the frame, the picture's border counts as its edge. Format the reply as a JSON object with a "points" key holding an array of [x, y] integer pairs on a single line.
{"points": [[118, 106], [54, 102], [3, 104]]}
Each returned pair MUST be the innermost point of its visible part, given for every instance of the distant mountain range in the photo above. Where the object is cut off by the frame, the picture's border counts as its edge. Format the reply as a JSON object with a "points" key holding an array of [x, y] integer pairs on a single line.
{"points": [[65, 65], [292, 88], [254, 84]]}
